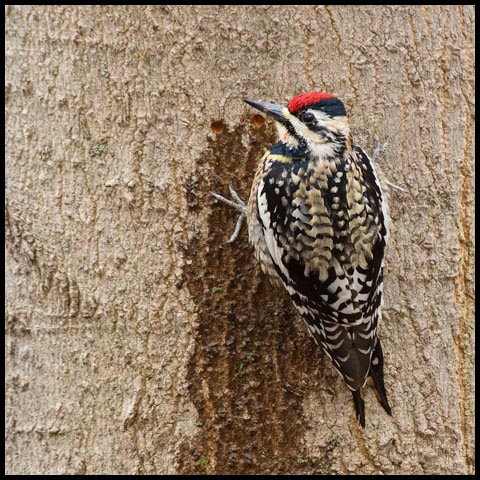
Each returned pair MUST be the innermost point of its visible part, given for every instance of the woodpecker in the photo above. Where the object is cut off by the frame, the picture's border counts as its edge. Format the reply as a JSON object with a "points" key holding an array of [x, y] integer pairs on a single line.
{"points": [[317, 218]]}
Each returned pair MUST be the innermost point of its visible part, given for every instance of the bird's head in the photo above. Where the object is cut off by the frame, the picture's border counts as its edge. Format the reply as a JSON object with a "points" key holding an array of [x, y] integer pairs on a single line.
{"points": [[316, 121]]}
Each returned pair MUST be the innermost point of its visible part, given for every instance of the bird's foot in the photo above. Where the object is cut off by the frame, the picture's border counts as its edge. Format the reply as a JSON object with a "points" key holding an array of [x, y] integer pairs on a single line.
{"points": [[377, 157], [379, 150], [239, 204], [390, 184]]}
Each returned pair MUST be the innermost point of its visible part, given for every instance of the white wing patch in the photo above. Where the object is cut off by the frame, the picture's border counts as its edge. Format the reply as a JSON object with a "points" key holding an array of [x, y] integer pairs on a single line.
{"points": [[273, 247]]}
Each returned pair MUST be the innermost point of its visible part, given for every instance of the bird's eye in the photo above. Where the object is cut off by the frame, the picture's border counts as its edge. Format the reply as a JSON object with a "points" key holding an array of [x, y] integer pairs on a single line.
{"points": [[308, 118]]}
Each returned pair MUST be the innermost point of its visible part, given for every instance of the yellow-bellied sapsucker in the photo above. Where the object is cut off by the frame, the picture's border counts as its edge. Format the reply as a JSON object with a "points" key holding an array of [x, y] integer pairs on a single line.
{"points": [[317, 218]]}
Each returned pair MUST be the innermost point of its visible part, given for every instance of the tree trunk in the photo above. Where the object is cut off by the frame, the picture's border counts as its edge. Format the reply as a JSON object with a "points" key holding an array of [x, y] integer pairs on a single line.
{"points": [[137, 341]]}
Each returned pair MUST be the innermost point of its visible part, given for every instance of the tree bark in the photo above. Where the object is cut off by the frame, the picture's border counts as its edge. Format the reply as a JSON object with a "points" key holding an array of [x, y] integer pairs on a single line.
{"points": [[137, 341]]}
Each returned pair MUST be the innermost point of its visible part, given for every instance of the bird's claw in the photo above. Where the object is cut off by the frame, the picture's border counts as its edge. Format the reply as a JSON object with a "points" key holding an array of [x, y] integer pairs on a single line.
{"points": [[235, 196], [239, 204], [379, 151], [377, 157], [390, 184]]}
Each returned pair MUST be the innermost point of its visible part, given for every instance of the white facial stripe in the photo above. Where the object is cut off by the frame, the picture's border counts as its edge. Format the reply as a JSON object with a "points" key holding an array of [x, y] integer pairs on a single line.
{"points": [[319, 115], [285, 136], [334, 124]]}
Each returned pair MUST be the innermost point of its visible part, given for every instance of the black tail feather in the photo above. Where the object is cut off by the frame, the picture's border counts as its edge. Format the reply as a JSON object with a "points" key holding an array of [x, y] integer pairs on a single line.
{"points": [[359, 407], [376, 372]]}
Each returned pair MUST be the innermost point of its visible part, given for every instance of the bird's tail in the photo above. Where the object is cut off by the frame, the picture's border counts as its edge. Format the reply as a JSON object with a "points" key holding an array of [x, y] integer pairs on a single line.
{"points": [[376, 375], [359, 407]]}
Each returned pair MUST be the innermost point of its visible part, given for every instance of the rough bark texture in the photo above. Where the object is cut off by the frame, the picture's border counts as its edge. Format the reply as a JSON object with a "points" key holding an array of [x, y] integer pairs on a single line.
{"points": [[136, 340]]}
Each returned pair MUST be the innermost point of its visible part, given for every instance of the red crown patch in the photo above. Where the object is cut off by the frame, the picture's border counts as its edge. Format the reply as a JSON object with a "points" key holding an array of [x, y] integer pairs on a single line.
{"points": [[305, 99]]}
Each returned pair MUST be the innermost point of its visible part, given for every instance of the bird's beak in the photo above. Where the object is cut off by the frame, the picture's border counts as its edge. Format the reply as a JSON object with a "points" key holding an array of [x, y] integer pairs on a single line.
{"points": [[275, 111]]}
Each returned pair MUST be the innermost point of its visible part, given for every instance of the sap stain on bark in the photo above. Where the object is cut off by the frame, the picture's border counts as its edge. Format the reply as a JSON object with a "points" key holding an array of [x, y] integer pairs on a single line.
{"points": [[253, 358]]}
